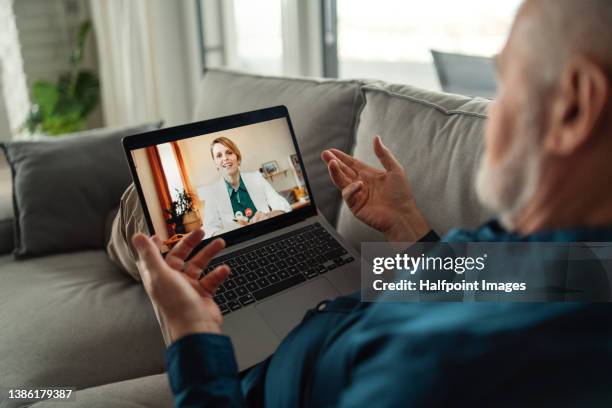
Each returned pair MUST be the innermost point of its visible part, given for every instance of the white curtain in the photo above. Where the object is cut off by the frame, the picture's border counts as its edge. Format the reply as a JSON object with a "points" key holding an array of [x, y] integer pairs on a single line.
{"points": [[123, 30], [12, 77]]}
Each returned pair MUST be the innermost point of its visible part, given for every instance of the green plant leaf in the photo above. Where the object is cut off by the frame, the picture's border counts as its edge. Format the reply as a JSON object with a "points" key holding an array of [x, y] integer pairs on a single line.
{"points": [[87, 91], [57, 125], [45, 94], [77, 54]]}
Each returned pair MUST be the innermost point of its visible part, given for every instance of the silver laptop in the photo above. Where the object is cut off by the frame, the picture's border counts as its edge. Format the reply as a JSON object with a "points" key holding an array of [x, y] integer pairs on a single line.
{"points": [[241, 177]]}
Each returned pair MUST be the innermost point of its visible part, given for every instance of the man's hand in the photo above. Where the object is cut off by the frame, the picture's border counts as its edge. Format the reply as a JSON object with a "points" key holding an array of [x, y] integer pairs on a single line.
{"points": [[381, 199], [186, 303]]}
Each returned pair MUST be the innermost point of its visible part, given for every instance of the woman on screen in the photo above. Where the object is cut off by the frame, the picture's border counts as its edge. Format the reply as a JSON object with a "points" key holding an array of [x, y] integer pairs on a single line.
{"points": [[238, 198]]}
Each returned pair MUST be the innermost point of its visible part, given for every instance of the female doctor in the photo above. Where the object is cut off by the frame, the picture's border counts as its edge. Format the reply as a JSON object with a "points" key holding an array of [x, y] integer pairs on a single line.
{"points": [[237, 199]]}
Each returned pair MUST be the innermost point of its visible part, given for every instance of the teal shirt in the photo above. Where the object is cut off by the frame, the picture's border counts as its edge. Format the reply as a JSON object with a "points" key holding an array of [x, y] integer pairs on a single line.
{"points": [[352, 354], [241, 200]]}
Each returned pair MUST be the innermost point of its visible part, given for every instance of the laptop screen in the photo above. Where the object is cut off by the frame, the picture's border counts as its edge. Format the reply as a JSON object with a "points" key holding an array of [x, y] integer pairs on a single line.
{"points": [[222, 181]]}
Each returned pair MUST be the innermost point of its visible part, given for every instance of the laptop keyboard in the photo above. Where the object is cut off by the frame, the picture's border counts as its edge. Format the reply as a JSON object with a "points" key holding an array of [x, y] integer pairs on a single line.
{"points": [[279, 263]]}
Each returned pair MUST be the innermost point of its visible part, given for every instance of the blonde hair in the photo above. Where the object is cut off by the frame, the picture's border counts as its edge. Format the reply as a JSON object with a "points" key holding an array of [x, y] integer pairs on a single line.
{"points": [[227, 143]]}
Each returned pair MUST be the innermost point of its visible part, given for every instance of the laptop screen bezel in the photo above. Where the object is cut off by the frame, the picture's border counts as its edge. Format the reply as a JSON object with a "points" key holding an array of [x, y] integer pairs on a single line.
{"points": [[202, 128]]}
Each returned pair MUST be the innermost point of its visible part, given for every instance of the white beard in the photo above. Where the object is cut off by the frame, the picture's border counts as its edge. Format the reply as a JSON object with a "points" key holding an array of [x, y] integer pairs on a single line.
{"points": [[508, 186]]}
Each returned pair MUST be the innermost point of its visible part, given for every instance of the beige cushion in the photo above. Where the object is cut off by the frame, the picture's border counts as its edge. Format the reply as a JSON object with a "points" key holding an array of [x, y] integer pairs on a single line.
{"points": [[128, 221], [74, 319], [323, 113], [438, 139], [150, 392]]}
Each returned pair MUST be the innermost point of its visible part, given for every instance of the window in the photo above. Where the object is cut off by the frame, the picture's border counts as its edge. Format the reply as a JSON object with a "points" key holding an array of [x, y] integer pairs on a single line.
{"points": [[391, 39], [242, 34], [259, 43]]}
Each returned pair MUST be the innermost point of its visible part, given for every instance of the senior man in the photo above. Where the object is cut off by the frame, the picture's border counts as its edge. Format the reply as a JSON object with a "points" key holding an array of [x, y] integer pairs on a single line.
{"points": [[546, 171]]}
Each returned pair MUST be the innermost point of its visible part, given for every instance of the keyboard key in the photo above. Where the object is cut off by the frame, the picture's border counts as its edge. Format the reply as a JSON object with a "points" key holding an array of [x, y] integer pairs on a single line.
{"points": [[251, 276], [230, 295], [320, 269], [241, 269], [224, 309], [252, 265], [293, 270], [278, 287], [241, 291], [311, 273], [234, 305], [240, 280], [272, 268], [252, 286], [335, 253], [262, 273], [261, 262], [219, 299], [263, 282], [283, 274], [329, 265], [273, 278], [229, 284], [283, 264], [247, 299]]}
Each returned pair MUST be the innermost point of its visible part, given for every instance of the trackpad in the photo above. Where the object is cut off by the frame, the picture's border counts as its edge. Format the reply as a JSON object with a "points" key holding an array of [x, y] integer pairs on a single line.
{"points": [[251, 336], [285, 311]]}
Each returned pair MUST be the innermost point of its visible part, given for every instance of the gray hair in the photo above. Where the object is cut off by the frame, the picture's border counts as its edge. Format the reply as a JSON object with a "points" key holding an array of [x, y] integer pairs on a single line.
{"points": [[559, 29]]}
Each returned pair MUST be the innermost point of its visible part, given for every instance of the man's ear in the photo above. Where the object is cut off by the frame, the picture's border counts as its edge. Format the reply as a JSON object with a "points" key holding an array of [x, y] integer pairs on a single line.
{"points": [[578, 106]]}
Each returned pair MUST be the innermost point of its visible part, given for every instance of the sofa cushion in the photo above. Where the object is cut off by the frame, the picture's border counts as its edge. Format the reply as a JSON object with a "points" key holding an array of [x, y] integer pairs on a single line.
{"points": [[147, 392], [7, 239], [74, 320], [64, 187], [323, 114], [438, 139]]}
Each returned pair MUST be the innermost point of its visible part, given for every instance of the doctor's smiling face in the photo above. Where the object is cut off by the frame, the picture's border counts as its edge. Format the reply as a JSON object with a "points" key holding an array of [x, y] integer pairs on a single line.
{"points": [[227, 158]]}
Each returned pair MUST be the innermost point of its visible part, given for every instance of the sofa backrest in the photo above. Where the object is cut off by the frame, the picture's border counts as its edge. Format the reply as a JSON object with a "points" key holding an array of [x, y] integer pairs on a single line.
{"points": [[438, 139], [437, 136], [323, 113]]}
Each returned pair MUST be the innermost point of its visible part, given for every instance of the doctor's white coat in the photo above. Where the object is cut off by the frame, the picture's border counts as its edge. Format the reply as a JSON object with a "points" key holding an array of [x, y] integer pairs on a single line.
{"points": [[218, 212]]}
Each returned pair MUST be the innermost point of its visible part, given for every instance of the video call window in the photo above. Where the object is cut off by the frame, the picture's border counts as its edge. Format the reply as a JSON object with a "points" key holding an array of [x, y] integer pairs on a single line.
{"points": [[221, 181]]}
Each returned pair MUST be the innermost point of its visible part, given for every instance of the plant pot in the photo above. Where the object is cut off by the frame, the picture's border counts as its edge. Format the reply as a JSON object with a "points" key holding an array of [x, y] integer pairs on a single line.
{"points": [[192, 221]]}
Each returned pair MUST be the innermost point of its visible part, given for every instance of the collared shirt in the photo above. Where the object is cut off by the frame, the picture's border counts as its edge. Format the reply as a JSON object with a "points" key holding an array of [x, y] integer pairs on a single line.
{"points": [[241, 200], [416, 354]]}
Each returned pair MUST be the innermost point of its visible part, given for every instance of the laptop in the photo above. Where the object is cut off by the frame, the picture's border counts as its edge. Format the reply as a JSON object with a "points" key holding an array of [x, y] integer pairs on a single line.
{"points": [[241, 177]]}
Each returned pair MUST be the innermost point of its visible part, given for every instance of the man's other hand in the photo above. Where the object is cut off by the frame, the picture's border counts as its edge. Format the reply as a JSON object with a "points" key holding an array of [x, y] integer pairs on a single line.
{"points": [[381, 199], [186, 303]]}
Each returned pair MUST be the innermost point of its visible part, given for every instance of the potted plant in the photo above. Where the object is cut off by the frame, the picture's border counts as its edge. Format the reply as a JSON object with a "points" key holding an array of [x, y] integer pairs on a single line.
{"points": [[183, 214], [63, 106]]}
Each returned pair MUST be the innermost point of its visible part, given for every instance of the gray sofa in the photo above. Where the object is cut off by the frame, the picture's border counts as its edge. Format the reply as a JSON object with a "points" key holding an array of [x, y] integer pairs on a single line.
{"points": [[76, 319]]}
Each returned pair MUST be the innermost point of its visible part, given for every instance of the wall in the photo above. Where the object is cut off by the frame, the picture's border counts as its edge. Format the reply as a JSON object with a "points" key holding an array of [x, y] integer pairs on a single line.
{"points": [[259, 143]]}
